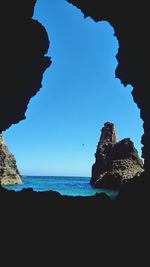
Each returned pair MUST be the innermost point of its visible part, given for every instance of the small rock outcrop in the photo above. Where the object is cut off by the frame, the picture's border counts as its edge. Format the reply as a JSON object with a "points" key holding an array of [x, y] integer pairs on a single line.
{"points": [[9, 173], [116, 161]]}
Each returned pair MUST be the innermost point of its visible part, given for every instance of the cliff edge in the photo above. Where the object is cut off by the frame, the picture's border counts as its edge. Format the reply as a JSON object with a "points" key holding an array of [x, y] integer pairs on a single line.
{"points": [[9, 173], [117, 162]]}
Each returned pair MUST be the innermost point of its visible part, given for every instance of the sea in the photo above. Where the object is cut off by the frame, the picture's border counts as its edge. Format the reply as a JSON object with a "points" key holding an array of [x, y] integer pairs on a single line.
{"points": [[65, 185]]}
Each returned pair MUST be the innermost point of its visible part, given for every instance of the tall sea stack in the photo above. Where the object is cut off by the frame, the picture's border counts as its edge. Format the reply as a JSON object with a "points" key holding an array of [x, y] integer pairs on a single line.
{"points": [[9, 173], [116, 161]]}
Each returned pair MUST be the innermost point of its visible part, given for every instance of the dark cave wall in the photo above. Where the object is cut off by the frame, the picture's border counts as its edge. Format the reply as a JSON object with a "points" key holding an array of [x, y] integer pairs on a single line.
{"points": [[130, 22], [69, 225], [24, 44]]}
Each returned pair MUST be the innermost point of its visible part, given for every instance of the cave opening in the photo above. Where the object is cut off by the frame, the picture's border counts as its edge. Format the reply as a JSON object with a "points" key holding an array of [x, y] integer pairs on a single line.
{"points": [[79, 94]]}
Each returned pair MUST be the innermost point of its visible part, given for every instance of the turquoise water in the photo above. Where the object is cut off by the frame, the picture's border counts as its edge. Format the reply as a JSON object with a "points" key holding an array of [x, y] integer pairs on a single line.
{"points": [[70, 186]]}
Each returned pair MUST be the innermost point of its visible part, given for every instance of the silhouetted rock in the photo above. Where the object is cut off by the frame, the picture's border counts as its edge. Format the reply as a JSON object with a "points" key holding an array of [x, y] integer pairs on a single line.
{"points": [[9, 173], [24, 45], [130, 21], [116, 162], [67, 224]]}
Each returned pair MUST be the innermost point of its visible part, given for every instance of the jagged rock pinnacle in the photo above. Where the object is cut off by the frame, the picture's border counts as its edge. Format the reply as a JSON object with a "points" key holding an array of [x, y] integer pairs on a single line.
{"points": [[108, 134], [116, 161]]}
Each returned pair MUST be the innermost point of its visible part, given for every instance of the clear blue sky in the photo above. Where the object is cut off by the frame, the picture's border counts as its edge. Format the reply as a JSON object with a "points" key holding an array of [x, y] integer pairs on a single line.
{"points": [[79, 94]]}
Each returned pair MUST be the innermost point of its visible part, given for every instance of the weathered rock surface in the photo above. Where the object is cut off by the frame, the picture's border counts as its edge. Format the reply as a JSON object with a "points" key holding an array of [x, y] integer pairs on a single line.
{"points": [[116, 162], [9, 173]]}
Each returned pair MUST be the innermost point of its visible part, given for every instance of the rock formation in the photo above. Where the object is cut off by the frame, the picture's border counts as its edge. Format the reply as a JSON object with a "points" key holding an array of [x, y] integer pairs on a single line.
{"points": [[9, 173], [130, 21], [29, 219], [116, 162], [24, 45]]}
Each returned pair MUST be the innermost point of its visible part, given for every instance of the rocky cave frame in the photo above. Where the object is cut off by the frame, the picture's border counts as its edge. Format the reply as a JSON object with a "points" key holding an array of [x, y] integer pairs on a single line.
{"points": [[44, 227], [27, 42]]}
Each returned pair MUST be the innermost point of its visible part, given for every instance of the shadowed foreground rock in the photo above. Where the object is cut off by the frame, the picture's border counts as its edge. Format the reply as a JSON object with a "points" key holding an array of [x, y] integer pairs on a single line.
{"points": [[43, 225], [116, 162], [9, 173], [24, 45]]}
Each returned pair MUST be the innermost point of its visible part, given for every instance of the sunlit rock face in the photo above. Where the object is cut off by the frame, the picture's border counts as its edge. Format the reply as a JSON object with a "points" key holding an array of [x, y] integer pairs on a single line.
{"points": [[9, 173], [130, 21], [23, 47], [116, 162]]}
